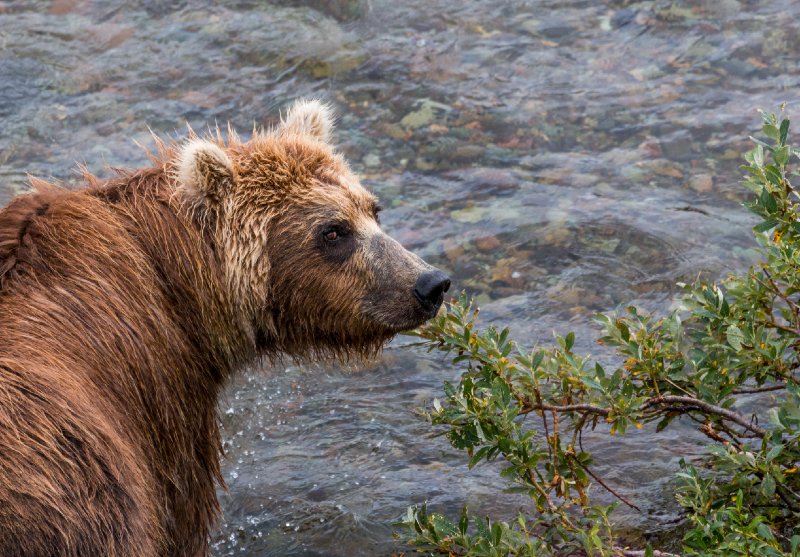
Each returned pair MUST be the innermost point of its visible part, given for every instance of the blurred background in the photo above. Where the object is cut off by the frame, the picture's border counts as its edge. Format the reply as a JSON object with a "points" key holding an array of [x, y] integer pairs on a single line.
{"points": [[557, 158]]}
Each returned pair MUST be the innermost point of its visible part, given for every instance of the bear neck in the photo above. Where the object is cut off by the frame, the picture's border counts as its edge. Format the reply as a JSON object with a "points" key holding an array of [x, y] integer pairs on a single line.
{"points": [[180, 244]]}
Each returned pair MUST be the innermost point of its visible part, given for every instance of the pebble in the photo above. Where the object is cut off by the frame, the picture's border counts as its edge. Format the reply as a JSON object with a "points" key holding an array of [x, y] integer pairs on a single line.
{"points": [[702, 183], [371, 160], [487, 243]]}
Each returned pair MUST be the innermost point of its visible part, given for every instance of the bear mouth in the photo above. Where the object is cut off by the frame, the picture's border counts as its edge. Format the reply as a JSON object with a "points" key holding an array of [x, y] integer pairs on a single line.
{"points": [[409, 318], [429, 309], [418, 316]]}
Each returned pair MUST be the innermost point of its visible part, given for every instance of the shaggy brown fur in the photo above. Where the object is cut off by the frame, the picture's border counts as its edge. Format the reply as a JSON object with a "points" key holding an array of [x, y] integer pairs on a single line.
{"points": [[126, 305]]}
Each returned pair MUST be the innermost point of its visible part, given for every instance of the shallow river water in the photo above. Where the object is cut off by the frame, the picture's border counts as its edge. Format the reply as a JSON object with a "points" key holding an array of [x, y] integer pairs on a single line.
{"points": [[557, 158]]}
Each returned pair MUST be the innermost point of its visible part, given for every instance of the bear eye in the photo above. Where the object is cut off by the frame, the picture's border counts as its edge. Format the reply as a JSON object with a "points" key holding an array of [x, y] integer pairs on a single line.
{"points": [[335, 242], [377, 209], [333, 234]]}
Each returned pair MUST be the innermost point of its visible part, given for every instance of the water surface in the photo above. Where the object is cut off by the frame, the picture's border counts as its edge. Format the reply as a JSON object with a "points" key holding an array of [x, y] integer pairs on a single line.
{"points": [[557, 158]]}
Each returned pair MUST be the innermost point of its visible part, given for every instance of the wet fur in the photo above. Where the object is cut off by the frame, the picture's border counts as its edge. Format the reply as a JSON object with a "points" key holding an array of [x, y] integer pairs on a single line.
{"points": [[125, 306], [108, 382]]}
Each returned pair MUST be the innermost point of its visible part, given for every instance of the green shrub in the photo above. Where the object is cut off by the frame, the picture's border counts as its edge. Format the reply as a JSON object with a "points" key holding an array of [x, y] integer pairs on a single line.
{"points": [[735, 337]]}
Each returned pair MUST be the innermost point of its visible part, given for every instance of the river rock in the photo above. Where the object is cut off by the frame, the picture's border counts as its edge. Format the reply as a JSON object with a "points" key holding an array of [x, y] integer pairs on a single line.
{"points": [[702, 183]]}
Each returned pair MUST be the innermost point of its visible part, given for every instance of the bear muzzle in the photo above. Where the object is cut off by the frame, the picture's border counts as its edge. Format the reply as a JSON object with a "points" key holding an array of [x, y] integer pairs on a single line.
{"points": [[406, 291]]}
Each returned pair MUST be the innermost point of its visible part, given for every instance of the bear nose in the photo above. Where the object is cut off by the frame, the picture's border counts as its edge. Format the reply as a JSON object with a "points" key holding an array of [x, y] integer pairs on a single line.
{"points": [[430, 287]]}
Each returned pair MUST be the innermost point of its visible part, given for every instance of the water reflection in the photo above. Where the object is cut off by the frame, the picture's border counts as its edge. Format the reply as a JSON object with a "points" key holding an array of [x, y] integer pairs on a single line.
{"points": [[543, 153]]}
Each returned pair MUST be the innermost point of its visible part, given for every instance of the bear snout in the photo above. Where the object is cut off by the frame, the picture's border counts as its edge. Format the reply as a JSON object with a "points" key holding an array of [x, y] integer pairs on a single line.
{"points": [[430, 288]]}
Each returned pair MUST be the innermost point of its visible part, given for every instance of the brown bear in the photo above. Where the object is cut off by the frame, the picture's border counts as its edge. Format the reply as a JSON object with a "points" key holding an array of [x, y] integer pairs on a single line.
{"points": [[125, 306]]}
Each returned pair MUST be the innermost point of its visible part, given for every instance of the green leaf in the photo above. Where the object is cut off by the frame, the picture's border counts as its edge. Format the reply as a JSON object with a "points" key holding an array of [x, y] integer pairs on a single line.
{"points": [[781, 155], [662, 425], [599, 371], [735, 337], [501, 392], [775, 417], [758, 154], [497, 533], [442, 526], [537, 360], [483, 529], [768, 486], [767, 200], [569, 341], [774, 452], [784, 131], [477, 457], [766, 225], [765, 532], [623, 330], [770, 131], [463, 521]]}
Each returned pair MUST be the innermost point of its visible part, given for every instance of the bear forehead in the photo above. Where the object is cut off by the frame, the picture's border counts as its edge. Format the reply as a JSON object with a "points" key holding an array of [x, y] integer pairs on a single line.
{"points": [[344, 195], [310, 173], [290, 158]]}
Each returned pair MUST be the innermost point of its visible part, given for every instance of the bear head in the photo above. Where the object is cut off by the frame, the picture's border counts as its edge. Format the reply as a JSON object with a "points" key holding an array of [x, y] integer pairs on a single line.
{"points": [[305, 262]]}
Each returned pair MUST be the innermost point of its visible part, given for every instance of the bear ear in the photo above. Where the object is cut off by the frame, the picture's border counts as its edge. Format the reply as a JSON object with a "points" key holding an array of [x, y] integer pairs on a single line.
{"points": [[204, 169], [309, 117]]}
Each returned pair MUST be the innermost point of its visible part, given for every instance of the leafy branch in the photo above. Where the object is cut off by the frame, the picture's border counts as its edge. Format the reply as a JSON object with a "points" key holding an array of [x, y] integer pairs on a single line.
{"points": [[737, 337]]}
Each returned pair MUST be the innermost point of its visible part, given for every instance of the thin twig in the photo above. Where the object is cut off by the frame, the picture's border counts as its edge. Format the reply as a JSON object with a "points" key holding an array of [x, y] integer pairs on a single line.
{"points": [[784, 328], [556, 440], [758, 390], [642, 553], [589, 408], [538, 396], [541, 491], [734, 435], [691, 402], [709, 409], [785, 498], [601, 482], [708, 431], [544, 422], [792, 304]]}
